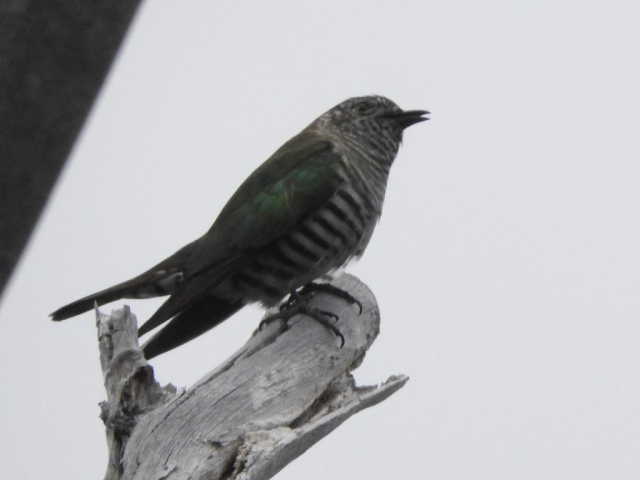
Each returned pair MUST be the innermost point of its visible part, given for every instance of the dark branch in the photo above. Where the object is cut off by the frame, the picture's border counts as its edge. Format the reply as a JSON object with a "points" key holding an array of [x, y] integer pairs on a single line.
{"points": [[54, 57]]}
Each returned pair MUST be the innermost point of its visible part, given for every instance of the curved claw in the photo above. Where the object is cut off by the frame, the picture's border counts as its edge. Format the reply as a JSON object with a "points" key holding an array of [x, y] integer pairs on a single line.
{"points": [[331, 290], [328, 314], [296, 303], [327, 324], [359, 306]]}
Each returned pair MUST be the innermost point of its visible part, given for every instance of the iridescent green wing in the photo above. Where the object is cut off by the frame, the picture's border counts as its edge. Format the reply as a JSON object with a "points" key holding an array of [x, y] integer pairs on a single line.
{"points": [[283, 192]]}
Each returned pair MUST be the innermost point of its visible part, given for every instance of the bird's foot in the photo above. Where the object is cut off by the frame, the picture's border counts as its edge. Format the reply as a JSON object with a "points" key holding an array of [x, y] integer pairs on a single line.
{"points": [[297, 303], [310, 289]]}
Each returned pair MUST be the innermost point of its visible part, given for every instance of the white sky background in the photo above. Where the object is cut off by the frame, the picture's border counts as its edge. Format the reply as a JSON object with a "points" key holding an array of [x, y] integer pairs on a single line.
{"points": [[505, 265]]}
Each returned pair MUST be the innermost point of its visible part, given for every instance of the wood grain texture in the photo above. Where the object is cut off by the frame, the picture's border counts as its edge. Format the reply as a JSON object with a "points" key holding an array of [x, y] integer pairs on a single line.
{"points": [[284, 390]]}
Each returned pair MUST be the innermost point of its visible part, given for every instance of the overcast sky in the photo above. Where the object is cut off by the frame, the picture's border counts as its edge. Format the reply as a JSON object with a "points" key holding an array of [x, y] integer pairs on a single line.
{"points": [[506, 264]]}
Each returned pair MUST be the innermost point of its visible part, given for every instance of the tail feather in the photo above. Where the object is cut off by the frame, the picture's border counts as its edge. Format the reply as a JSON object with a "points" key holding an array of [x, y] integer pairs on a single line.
{"points": [[159, 280], [190, 323], [87, 303], [146, 285]]}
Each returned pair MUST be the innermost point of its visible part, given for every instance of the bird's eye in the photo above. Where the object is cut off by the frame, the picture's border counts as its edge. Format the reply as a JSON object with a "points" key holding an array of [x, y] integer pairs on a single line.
{"points": [[363, 108]]}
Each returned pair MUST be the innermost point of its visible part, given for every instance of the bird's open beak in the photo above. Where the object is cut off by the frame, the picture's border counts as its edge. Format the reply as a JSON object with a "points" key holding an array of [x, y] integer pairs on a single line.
{"points": [[409, 117]]}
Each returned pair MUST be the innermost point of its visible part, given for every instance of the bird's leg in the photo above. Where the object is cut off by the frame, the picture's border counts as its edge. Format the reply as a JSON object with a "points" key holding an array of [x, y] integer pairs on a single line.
{"points": [[297, 303]]}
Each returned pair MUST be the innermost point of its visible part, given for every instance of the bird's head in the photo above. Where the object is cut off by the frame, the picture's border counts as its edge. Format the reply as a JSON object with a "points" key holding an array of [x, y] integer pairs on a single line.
{"points": [[373, 121]]}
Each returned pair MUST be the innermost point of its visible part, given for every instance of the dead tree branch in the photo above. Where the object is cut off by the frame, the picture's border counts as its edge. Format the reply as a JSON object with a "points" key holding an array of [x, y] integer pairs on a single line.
{"points": [[247, 419]]}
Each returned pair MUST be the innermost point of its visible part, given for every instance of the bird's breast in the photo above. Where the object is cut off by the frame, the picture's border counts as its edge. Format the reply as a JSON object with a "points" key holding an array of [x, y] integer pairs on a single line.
{"points": [[321, 243]]}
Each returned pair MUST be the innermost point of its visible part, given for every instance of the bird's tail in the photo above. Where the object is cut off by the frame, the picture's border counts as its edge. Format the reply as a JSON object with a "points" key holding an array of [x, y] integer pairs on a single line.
{"points": [[162, 279], [195, 320], [149, 284]]}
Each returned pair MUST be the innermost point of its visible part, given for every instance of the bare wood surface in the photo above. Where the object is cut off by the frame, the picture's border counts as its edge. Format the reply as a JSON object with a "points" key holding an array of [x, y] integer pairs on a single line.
{"points": [[247, 419]]}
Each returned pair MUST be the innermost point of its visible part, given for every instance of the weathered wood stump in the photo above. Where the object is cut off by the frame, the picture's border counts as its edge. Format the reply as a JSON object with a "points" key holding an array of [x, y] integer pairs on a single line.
{"points": [[283, 391]]}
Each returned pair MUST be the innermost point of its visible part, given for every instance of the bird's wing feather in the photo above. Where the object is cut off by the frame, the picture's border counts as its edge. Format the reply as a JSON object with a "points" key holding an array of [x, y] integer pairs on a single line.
{"points": [[285, 190], [198, 287]]}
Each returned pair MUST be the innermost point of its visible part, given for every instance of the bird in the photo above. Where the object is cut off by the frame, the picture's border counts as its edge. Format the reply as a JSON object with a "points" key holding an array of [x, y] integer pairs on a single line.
{"points": [[306, 212]]}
